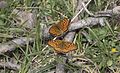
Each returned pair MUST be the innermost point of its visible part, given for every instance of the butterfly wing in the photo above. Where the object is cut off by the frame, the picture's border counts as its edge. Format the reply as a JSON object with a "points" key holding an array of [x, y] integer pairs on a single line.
{"points": [[60, 28], [54, 44], [61, 46], [69, 47], [54, 30], [64, 24]]}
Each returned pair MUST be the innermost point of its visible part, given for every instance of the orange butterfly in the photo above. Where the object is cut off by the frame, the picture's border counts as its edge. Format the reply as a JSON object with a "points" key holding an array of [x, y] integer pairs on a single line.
{"points": [[60, 28], [61, 46]]}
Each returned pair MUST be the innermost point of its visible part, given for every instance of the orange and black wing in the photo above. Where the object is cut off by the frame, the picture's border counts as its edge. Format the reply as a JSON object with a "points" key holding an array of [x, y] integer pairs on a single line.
{"points": [[64, 24], [69, 47], [54, 30], [61, 46], [60, 28]]}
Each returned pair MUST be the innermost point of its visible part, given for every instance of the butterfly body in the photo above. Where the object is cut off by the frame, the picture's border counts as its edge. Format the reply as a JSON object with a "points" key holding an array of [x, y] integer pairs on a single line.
{"points": [[60, 28], [61, 46]]}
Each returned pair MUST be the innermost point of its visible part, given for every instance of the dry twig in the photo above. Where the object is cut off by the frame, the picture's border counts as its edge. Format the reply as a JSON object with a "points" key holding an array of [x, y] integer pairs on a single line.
{"points": [[11, 45], [9, 65]]}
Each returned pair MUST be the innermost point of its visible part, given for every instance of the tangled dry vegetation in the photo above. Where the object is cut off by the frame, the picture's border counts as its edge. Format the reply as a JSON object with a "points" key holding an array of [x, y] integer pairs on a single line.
{"points": [[25, 31]]}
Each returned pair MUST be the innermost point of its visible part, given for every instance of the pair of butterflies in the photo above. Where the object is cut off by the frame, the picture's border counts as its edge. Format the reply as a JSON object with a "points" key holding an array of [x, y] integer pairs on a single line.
{"points": [[61, 46]]}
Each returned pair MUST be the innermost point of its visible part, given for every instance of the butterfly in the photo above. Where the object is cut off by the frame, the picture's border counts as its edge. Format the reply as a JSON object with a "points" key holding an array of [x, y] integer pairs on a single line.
{"points": [[59, 28], [61, 46]]}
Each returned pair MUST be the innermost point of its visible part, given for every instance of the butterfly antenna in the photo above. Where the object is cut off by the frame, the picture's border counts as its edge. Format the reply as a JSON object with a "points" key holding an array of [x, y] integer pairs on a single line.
{"points": [[80, 11]]}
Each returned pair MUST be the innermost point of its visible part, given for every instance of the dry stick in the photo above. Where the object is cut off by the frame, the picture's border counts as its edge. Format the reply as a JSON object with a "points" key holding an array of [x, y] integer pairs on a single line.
{"points": [[86, 22], [9, 65], [80, 11], [11, 45], [108, 13], [83, 4], [69, 37]]}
